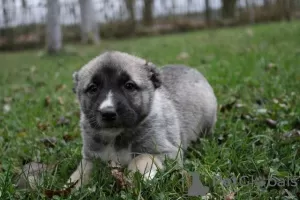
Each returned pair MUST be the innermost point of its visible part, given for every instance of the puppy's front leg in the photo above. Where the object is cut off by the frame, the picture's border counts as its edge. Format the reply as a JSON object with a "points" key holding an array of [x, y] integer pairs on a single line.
{"points": [[82, 173], [146, 164]]}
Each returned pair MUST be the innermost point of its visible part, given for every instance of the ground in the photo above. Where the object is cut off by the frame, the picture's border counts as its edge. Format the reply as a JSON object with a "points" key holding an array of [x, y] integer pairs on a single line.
{"points": [[255, 74]]}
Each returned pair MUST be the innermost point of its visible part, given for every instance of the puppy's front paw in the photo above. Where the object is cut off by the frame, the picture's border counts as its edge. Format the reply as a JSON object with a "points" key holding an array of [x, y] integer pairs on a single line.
{"points": [[146, 164]]}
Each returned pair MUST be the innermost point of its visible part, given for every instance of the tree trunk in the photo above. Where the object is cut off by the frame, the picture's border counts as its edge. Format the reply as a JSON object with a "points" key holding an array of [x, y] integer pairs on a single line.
{"points": [[207, 12], [251, 11], [130, 6], [285, 9], [89, 26], [266, 3], [6, 7], [54, 35], [148, 12], [228, 8]]}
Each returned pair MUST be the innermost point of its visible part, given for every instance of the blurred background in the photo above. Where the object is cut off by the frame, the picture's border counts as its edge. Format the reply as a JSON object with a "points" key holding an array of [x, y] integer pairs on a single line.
{"points": [[26, 24]]}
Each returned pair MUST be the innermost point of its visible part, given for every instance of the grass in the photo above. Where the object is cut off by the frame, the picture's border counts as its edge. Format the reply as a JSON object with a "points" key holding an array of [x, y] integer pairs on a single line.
{"points": [[256, 67]]}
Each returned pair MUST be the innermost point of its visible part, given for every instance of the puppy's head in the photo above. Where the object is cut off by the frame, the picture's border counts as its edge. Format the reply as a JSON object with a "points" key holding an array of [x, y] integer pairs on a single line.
{"points": [[115, 90]]}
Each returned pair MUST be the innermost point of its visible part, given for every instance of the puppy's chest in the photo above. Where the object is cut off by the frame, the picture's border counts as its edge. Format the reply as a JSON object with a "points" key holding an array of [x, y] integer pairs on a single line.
{"points": [[115, 150], [110, 152]]}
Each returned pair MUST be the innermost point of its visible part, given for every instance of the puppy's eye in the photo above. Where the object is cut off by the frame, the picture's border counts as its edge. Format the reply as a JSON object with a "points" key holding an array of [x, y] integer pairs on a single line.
{"points": [[92, 89], [130, 86]]}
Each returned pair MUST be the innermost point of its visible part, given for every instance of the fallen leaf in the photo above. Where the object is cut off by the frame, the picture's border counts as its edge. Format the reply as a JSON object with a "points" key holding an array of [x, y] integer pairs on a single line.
{"points": [[42, 126], [60, 193], [47, 101], [292, 134], [187, 176], [22, 134], [7, 100], [271, 66], [6, 108], [68, 138], [271, 123], [230, 196], [60, 100], [31, 175], [63, 121], [246, 117], [227, 107], [183, 56], [49, 141], [60, 87], [117, 172]]}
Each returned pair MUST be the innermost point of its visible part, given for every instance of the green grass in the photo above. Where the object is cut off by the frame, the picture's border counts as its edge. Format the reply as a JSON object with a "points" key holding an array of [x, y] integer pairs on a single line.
{"points": [[258, 67]]}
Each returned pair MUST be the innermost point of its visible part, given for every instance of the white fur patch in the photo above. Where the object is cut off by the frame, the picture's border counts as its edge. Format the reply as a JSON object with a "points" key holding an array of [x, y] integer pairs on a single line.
{"points": [[151, 174], [109, 153], [111, 132], [108, 101]]}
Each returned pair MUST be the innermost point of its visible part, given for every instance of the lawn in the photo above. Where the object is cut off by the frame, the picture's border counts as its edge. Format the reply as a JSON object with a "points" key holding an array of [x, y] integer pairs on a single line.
{"points": [[255, 74]]}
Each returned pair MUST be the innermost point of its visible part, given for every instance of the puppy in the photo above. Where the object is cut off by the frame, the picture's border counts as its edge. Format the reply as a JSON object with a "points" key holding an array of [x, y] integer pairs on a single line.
{"points": [[135, 114]]}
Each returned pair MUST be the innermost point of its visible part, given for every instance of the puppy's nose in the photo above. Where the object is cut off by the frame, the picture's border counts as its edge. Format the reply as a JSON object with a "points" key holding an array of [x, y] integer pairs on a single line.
{"points": [[108, 114]]}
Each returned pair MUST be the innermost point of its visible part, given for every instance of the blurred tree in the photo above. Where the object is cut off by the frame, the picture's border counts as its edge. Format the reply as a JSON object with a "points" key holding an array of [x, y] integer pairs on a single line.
{"points": [[228, 8], [5, 14], [24, 4], [251, 10], [89, 26], [130, 6], [284, 7], [267, 3], [207, 12], [53, 30], [148, 12]]}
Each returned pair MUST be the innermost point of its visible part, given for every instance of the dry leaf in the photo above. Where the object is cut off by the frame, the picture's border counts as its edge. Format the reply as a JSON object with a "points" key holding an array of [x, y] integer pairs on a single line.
{"points": [[183, 56], [246, 117], [47, 101], [7, 100], [60, 100], [42, 126], [21, 134], [271, 123], [68, 138], [271, 66], [117, 172], [49, 142], [227, 107], [60, 193], [63, 121], [230, 196], [60, 87], [292, 134]]}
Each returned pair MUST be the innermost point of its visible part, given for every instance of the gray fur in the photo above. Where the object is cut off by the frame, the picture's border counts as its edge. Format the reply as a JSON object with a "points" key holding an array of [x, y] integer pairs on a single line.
{"points": [[175, 106]]}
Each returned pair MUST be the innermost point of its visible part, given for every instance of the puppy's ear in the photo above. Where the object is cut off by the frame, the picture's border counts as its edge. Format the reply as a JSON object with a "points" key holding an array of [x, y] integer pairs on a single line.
{"points": [[75, 81], [154, 74]]}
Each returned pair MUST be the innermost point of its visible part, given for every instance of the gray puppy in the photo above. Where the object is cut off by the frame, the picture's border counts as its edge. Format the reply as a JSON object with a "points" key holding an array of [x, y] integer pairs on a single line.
{"points": [[135, 114]]}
